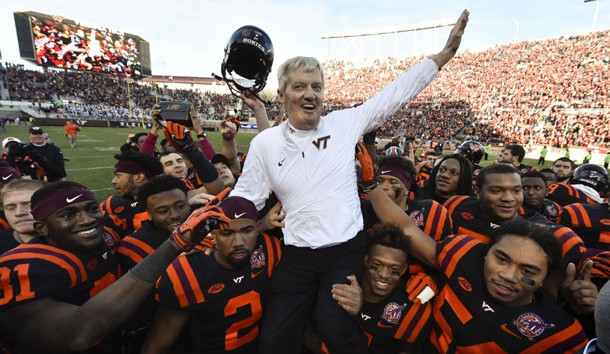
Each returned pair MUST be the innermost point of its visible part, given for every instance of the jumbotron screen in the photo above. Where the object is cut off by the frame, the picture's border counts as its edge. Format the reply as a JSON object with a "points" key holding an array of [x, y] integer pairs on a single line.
{"points": [[54, 41]]}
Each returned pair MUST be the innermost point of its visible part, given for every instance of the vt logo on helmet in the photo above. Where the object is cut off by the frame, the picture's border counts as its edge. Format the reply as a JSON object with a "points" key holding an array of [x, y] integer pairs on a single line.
{"points": [[247, 61]]}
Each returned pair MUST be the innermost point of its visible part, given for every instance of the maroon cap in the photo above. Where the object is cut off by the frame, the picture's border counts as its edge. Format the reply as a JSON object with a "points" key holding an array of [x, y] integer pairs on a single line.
{"points": [[238, 208], [8, 173]]}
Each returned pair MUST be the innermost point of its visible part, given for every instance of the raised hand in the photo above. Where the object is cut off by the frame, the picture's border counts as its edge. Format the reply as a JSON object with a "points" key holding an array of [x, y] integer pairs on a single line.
{"points": [[179, 136], [349, 296], [367, 167], [579, 292]]}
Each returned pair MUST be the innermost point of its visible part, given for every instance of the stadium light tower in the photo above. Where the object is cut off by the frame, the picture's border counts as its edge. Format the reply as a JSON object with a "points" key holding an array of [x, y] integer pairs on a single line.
{"points": [[595, 14]]}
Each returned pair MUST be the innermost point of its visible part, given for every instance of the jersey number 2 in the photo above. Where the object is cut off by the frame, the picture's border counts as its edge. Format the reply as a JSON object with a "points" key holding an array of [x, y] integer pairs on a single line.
{"points": [[232, 338]]}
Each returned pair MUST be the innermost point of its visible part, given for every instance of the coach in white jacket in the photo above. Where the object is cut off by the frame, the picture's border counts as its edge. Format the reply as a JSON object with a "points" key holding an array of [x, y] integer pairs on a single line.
{"points": [[308, 161]]}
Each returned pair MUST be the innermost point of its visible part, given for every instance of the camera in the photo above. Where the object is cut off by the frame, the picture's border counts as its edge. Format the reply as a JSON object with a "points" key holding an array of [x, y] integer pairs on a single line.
{"points": [[177, 112]]}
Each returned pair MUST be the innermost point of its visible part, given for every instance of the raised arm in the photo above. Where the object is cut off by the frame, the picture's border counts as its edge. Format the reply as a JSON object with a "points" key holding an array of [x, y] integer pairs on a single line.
{"points": [[228, 130], [423, 247], [453, 42], [258, 107], [59, 326]]}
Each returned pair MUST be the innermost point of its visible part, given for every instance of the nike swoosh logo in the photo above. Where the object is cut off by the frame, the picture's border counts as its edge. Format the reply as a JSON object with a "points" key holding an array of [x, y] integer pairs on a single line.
{"points": [[281, 162], [386, 171], [383, 325], [70, 200], [7, 177], [504, 327], [254, 275], [237, 216]]}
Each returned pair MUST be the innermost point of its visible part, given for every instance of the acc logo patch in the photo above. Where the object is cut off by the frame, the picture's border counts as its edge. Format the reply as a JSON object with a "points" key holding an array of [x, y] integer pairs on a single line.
{"points": [[257, 259], [393, 312], [531, 325], [465, 284], [417, 217], [467, 216], [216, 288], [605, 222], [92, 264], [552, 210]]}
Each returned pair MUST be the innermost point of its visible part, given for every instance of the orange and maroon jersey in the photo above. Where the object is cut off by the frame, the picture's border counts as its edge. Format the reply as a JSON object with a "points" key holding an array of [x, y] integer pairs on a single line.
{"points": [[549, 209], [467, 319], [225, 305], [123, 215], [465, 212], [590, 221], [134, 248], [565, 194], [397, 324], [37, 270], [430, 216]]}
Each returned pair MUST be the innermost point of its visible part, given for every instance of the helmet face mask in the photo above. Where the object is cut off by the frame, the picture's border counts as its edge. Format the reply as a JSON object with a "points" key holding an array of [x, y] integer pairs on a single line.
{"points": [[472, 150], [248, 60], [591, 175]]}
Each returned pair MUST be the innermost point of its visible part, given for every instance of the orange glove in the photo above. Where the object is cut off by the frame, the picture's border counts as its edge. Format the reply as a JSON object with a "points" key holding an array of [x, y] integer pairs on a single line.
{"points": [[367, 167], [421, 288], [179, 137], [197, 226]]}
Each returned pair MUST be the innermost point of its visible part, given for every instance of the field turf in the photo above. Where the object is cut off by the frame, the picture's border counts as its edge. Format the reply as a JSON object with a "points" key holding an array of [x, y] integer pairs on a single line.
{"points": [[91, 162]]}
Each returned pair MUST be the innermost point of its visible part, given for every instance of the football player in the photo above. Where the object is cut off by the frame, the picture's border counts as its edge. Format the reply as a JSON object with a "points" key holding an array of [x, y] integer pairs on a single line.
{"points": [[491, 300], [221, 296], [60, 290]]}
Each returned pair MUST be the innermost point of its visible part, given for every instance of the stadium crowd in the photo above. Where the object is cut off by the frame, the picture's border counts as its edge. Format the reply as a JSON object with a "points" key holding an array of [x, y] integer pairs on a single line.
{"points": [[522, 92], [315, 241]]}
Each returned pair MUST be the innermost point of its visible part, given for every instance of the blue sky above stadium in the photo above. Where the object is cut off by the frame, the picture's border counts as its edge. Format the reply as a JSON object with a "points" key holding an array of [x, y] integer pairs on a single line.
{"points": [[187, 37]]}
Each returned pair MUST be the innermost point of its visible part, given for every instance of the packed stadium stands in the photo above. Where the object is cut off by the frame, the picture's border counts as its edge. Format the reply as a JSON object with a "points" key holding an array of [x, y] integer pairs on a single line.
{"points": [[552, 92]]}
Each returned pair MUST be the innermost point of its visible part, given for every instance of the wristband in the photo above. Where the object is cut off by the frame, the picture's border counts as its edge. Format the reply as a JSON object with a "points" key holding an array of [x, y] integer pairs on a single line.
{"points": [[155, 263], [368, 189], [202, 135], [182, 243]]}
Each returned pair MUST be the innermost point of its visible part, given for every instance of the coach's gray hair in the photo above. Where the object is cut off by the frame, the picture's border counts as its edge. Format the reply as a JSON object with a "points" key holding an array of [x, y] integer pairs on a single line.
{"points": [[292, 64]]}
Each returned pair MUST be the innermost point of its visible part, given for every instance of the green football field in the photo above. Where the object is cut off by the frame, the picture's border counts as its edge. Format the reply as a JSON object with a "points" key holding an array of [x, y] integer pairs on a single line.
{"points": [[91, 162]]}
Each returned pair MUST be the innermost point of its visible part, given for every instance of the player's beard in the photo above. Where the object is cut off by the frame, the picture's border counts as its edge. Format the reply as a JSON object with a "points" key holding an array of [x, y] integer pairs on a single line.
{"points": [[236, 263]]}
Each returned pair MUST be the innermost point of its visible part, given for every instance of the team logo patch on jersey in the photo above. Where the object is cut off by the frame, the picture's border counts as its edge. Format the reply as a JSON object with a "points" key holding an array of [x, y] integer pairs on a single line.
{"points": [[393, 312], [108, 240], [465, 284], [216, 288], [257, 259], [417, 217], [467, 216], [605, 221], [552, 210], [531, 325]]}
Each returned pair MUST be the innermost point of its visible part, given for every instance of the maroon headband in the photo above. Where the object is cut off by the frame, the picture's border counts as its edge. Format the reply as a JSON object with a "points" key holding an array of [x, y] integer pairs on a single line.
{"points": [[59, 199], [395, 171], [131, 167], [238, 208]]}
